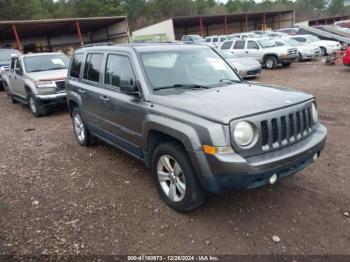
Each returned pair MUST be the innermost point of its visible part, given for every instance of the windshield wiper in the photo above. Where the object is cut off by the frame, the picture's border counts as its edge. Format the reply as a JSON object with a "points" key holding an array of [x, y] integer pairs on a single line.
{"points": [[55, 68], [181, 86]]}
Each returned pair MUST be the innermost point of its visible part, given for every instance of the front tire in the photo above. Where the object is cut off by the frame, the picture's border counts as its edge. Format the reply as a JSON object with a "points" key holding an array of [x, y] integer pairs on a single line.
{"points": [[35, 106], [175, 178], [323, 51], [271, 62], [81, 132]]}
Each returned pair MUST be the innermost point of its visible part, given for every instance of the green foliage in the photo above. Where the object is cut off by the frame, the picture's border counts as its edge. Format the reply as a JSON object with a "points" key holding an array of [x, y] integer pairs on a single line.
{"points": [[336, 7]]}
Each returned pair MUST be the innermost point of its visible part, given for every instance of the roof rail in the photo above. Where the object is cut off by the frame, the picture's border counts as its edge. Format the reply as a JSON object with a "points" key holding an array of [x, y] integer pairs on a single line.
{"points": [[99, 44]]}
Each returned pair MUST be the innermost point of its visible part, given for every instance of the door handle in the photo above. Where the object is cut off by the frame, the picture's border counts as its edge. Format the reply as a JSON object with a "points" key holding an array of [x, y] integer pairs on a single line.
{"points": [[104, 99], [82, 91], [246, 52]]}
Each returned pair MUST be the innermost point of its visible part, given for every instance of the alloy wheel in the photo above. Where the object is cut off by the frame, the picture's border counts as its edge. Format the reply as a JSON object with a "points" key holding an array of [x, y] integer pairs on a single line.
{"points": [[171, 178], [79, 128]]}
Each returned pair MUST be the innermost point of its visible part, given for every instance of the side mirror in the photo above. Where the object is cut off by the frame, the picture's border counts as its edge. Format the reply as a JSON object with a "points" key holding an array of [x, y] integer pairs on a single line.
{"points": [[129, 86], [19, 71]]}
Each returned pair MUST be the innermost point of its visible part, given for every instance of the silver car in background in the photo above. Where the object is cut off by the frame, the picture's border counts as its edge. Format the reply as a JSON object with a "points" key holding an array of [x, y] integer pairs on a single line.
{"points": [[246, 67], [37, 80], [305, 51]]}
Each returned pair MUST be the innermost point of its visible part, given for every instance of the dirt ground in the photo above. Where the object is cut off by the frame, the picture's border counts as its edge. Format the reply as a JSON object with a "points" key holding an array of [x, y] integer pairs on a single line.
{"points": [[59, 198]]}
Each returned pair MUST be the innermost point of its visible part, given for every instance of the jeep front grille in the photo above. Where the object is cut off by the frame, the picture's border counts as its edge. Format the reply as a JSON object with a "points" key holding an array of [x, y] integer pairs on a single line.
{"points": [[286, 129]]}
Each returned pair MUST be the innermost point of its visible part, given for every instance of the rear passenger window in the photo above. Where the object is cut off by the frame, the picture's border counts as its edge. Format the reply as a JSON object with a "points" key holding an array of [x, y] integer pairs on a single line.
{"points": [[226, 45], [239, 45], [118, 68], [93, 67], [76, 65]]}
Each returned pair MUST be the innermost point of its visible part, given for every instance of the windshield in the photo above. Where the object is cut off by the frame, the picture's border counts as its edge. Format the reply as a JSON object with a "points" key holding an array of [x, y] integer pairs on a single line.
{"points": [[186, 67], [46, 62], [292, 42], [313, 38], [5, 56], [266, 43]]}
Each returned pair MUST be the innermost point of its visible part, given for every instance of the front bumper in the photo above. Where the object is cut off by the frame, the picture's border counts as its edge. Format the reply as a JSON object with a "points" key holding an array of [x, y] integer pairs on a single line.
{"points": [[231, 172], [52, 99], [288, 59]]}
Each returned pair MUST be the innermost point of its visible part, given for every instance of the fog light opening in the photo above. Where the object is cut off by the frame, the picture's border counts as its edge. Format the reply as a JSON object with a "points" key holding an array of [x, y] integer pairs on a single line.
{"points": [[273, 179]]}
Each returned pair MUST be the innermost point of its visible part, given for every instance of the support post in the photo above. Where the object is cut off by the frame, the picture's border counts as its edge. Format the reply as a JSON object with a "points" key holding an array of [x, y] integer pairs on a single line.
{"points": [[226, 26], [279, 20], [18, 41], [201, 26], [77, 25], [246, 23], [264, 22]]}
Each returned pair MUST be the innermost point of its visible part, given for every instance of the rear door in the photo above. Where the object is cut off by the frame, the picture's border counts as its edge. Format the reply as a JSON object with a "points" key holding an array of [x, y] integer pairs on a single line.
{"points": [[124, 114], [90, 91]]}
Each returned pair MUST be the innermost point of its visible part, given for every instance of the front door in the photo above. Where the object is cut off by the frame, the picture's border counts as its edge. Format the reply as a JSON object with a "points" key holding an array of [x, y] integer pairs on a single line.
{"points": [[124, 114], [17, 79]]}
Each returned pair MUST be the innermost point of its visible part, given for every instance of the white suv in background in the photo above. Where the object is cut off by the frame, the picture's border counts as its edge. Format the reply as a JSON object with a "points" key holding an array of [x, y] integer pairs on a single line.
{"points": [[215, 41], [263, 50], [326, 46]]}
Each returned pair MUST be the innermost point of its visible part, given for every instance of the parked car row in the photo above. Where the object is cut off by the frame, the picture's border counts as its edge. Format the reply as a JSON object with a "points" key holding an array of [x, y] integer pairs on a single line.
{"points": [[180, 109]]}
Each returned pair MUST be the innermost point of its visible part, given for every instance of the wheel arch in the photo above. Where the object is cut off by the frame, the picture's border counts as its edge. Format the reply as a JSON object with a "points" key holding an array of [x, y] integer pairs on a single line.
{"points": [[270, 54], [170, 130]]}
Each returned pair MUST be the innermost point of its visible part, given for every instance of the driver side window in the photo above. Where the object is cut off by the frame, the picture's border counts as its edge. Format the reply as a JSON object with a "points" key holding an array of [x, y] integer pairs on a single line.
{"points": [[252, 45], [18, 68], [118, 69]]}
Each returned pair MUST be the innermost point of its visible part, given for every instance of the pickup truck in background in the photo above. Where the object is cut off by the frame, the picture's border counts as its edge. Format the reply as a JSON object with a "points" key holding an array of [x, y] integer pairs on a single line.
{"points": [[263, 50], [37, 80], [5, 60]]}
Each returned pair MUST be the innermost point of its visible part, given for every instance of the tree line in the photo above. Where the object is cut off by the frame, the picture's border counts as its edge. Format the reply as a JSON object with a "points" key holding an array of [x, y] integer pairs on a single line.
{"points": [[144, 12]]}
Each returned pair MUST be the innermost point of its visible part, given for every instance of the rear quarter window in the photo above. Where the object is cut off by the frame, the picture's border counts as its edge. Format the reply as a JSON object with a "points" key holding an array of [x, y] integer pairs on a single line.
{"points": [[76, 65], [226, 45]]}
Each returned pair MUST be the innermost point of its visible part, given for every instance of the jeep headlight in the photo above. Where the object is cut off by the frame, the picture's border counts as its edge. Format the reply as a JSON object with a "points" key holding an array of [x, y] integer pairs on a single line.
{"points": [[244, 134], [314, 113]]}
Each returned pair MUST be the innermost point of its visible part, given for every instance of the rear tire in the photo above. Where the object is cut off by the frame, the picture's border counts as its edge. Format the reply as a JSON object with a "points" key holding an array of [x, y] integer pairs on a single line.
{"points": [[271, 62], [175, 178], [12, 98], [81, 132], [300, 57], [37, 109]]}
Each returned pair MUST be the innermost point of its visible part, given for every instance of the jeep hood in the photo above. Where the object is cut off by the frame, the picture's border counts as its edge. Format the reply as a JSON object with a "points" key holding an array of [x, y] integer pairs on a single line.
{"points": [[48, 75], [226, 103]]}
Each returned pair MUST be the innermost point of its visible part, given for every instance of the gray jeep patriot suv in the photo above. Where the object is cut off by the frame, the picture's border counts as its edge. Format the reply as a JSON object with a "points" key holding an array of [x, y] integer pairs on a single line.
{"points": [[184, 112]]}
